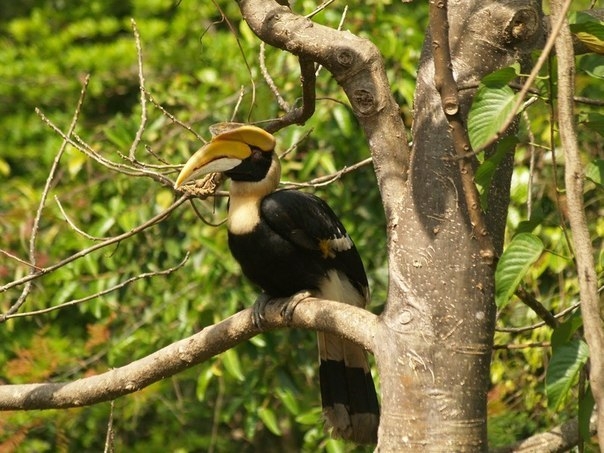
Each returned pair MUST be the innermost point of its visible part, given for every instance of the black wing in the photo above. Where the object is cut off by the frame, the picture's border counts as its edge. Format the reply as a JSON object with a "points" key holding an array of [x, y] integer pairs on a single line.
{"points": [[309, 223]]}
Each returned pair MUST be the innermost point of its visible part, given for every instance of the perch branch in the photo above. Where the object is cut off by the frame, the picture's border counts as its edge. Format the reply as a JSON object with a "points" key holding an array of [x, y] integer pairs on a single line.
{"points": [[353, 323], [531, 302]]}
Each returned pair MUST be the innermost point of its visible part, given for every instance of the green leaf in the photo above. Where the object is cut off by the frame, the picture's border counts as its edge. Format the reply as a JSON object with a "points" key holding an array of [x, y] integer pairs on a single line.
{"points": [[563, 370], [594, 121], [4, 168], [592, 65], [501, 77], [334, 446], [515, 261], [595, 171], [231, 362], [586, 407], [491, 106], [564, 332], [589, 30], [311, 417], [486, 170], [288, 399], [203, 381], [270, 420]]}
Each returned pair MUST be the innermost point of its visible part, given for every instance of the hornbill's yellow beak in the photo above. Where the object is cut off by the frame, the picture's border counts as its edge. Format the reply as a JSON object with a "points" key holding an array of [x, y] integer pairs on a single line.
{"points": [[225, 151]]}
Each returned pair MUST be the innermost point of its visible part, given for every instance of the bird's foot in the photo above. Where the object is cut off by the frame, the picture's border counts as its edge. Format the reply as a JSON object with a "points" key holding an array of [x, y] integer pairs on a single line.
{"points": [[258, 309], [287, 312]]}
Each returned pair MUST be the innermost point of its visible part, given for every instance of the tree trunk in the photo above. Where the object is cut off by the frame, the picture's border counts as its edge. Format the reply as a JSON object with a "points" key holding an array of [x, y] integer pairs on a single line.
{"points": [[434, 338], [435, 345]]}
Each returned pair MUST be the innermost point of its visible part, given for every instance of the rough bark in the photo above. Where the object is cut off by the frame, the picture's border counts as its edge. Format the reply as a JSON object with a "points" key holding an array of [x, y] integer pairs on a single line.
{"points": [[434, 396], [433, 341], [591, 307]]}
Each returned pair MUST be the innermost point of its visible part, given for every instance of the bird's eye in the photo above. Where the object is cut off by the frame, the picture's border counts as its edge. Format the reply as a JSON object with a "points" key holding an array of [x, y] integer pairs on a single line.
{"points": [[257, 155]]}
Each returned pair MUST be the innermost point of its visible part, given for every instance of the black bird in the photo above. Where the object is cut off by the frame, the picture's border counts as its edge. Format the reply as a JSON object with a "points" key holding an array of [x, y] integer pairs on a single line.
{"points": [[287, 242]]}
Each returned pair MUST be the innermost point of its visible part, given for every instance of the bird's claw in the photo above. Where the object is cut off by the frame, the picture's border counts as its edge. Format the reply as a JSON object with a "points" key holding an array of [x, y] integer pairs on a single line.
{"points": [[258, 309], [287, 312]]}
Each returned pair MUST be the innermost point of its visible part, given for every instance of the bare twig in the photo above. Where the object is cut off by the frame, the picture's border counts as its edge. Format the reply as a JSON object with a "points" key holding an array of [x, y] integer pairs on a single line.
{"points": [[174, 119], [514, 346], [32, 276], [532, 152], [120, 285], [299, 115], [49, 181], [19, 260], [74, 226], [269, 80], [143, 99], [328, 179], [238, 103], [353, 323], [539, 324], [340, 25], [531, 302], [242, 53], [592, 308], [110, 436], [319, 8]]}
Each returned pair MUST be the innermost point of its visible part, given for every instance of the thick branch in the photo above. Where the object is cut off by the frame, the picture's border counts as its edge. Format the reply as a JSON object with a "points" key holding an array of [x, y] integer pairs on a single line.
{"points": [[561, 438], [353, 323], [447, 87], [358, 67], [574, 178]]}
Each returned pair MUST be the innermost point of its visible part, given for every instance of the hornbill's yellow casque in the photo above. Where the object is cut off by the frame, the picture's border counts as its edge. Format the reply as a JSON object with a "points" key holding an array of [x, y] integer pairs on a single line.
{"points": [[289, 241]]}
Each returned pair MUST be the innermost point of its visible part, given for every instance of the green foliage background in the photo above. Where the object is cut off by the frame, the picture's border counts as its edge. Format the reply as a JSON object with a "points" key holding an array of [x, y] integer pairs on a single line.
{"points": [[263, 395]]}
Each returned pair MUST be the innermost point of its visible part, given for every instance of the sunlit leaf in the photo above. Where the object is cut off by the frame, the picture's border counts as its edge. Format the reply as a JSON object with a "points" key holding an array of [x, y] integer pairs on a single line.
{"points": [[565, 331], [288, 398], [492, 104], [595, 171], [203, 380], [515, 261], [269, 419], [589, 30], [231, 362], [563, 369], [486, 170], [4, 168]]}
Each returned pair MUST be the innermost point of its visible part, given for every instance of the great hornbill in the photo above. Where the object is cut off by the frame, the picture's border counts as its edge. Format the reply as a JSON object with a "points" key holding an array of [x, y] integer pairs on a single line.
{"points": [[286, 242]]}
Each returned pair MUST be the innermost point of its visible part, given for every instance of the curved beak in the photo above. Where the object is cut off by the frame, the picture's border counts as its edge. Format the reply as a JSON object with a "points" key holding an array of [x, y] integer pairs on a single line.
{"points": [[215, 156]]}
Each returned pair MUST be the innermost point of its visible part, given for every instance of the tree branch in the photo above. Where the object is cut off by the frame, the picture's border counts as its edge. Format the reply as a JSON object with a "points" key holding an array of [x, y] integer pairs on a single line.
{"points": [[447, 87], [353, 323], [358, 67], [574, 178], [561, 438]]}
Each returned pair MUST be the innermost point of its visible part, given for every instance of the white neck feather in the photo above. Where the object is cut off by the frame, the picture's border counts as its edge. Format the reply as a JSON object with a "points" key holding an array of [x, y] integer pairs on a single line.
{"points": [[245, 198]]}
